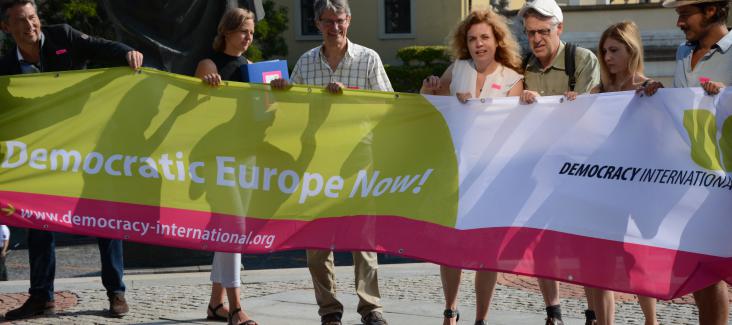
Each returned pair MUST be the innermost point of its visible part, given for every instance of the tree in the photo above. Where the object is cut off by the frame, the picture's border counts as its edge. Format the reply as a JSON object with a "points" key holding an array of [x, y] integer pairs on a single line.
{"points": [[84, 15], [268, 41]]}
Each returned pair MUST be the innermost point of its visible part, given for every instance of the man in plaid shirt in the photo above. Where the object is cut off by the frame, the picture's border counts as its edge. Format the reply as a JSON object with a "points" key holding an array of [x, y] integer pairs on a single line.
{"points": [[337, 64]]}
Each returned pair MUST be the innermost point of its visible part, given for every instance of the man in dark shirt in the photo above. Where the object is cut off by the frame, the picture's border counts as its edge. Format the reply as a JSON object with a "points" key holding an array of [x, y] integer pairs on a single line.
{"points": [[57, 48]]}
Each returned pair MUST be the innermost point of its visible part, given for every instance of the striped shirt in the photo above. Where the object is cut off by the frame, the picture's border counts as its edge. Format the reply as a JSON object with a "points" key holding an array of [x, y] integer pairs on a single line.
{"points": [[360, 68]]}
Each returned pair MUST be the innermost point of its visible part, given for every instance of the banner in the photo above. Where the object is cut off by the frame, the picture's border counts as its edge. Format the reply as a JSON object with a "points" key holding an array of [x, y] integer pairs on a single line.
{"points": [[616, 190]]}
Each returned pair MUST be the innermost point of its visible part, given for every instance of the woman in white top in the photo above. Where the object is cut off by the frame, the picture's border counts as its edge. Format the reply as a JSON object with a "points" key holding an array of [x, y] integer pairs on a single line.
{"points": [[487, 61], [487, 65]]}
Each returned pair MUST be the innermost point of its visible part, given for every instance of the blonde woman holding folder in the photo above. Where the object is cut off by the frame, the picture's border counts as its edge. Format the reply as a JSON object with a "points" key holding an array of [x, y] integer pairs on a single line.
{"points": [[235, 34]]}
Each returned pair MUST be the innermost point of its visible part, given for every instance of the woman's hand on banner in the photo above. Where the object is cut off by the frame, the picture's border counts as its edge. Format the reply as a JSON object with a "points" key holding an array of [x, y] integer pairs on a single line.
{"points": [[212, 79], [649, 87], [463, 97]]}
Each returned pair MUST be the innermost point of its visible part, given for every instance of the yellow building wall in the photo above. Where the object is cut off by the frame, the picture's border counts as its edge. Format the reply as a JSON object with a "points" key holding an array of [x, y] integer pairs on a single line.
{"points": [[434, 21], [647, 19], [651, 19], [516, 4], [479, 4]]}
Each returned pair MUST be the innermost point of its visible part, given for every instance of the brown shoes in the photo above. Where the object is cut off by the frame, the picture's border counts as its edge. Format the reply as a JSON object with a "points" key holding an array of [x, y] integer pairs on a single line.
{"points": [[118, 305], [554, 321], [32, 307], [331, 319], [373, 318]]}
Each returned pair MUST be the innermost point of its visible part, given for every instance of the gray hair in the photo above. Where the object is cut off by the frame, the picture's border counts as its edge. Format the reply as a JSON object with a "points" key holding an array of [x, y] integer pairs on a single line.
{"points": [[337, 6], [7, 4], [533, 13]]}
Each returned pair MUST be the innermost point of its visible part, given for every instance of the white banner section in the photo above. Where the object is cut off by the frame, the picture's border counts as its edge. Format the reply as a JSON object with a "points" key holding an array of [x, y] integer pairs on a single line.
{"points": [[619, 166]]}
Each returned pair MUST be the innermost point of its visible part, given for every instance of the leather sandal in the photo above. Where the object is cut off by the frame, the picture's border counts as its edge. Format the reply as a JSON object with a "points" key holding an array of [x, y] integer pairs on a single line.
{"points": [[452, 313], [590, 317], [246, 322], [214, 315]]}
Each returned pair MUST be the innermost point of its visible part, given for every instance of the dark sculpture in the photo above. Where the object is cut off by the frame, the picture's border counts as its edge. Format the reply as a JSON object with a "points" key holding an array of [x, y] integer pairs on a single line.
{"points": [[172, 34]]}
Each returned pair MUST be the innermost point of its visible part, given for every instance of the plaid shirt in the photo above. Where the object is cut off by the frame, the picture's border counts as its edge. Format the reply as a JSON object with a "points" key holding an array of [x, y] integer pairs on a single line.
{"points": [[360, 68]]}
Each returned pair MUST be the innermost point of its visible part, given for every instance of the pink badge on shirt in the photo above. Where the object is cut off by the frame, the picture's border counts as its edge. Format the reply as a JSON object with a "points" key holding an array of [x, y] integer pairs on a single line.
{"points": [[496, 86], [61, 51]]}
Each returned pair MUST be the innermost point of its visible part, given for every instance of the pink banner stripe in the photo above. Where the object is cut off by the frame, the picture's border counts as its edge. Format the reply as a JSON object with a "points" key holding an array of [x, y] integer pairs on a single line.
{"points": [[625, 267]]}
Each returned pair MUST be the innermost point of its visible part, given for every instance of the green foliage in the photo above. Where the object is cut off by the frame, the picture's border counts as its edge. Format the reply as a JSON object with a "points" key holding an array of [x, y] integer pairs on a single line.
{"points": [[408, 79], [419, 63], [423, 55], [254, 54], [83, 15], [268, 41], [80, 8]]}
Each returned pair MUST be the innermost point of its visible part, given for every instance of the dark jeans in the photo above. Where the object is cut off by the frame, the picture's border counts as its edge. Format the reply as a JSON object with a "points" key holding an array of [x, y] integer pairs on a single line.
{"points": [[42, 257], [3, 269]]}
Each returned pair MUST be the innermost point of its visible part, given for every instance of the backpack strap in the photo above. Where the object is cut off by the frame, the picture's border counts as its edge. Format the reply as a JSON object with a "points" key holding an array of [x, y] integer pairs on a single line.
{"points": [[569, 64], [526, 59]]}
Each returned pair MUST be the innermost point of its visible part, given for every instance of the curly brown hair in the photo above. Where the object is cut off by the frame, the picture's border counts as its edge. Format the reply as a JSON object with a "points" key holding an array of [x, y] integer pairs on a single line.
{"points": [[507, 48]]}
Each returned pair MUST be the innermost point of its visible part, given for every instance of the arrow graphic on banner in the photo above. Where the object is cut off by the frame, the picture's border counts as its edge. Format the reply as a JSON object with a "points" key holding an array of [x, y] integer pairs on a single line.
{"points": [[9, 210]]}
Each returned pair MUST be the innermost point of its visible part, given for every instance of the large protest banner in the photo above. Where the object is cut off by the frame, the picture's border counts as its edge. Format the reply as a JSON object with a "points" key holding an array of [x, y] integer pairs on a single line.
{"points": [[613, 190]]}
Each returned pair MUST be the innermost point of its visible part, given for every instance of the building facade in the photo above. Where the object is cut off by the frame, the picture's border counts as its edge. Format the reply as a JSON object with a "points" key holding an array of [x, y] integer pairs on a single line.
{"points": [[383, 25], [388, 25]]}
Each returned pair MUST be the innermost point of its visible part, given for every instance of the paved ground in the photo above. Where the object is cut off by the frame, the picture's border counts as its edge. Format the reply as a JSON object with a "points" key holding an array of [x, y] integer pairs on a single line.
{"points": [[411, 295]]}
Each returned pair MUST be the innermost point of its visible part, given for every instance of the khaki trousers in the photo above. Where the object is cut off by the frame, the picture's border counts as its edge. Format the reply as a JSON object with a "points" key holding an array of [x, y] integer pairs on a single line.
{"points": [[365, 265]]}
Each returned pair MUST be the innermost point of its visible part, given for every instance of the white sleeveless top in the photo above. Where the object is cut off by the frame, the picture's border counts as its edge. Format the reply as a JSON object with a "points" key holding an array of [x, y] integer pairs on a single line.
{"points": [[497, 84]]}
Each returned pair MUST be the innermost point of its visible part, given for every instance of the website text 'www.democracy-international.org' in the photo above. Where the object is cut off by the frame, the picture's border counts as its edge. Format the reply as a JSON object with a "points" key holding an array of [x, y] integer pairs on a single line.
{"points": [[215, 235]]}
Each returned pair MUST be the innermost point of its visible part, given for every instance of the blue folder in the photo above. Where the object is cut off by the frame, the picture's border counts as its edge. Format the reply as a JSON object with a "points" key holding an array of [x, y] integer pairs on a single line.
{"points": [[265, 71]]}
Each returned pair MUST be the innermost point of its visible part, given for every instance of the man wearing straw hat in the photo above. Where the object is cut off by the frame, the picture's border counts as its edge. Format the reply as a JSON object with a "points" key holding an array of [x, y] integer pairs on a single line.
{"points": [[705, 60]]}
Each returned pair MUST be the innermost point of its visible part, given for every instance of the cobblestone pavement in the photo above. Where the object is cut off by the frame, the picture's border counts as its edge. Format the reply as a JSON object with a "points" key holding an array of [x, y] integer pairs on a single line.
{"points": [[153, 304]]}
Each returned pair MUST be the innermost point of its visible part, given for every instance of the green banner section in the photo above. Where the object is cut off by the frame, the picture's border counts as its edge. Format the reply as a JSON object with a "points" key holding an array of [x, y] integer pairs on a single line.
{"points": [[159, 139]]}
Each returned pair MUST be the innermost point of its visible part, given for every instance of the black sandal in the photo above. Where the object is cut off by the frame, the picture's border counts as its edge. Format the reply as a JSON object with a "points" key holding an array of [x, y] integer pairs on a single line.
{"points": [[246, 322], [481, 322], [590, 318], [452, 313], [214, 315]]}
